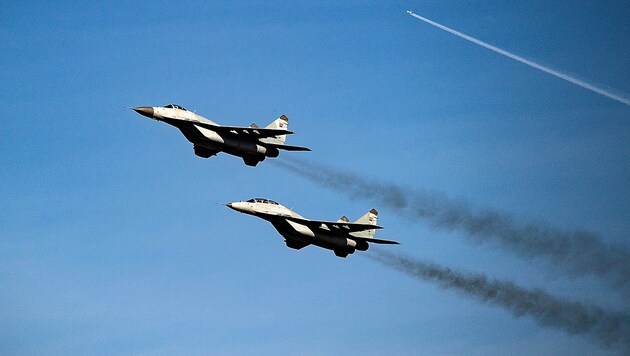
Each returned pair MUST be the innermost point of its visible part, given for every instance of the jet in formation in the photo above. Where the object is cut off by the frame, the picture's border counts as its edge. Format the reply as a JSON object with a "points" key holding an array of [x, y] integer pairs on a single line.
{"points": [[341, 236], [251, 143]]}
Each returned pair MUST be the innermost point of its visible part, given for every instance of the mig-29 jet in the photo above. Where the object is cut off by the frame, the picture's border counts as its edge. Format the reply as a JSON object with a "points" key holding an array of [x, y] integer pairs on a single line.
{"points": [[252, 143], [341, 236]]}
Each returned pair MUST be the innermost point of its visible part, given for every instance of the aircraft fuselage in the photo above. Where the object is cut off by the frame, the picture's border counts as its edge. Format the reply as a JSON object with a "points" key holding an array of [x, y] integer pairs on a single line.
{"points": [[293, 227], [209, 138]]}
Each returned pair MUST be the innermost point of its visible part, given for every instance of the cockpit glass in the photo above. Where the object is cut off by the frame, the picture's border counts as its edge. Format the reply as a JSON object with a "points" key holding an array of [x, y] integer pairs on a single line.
{"points": [[262, 200], [173, 106]]}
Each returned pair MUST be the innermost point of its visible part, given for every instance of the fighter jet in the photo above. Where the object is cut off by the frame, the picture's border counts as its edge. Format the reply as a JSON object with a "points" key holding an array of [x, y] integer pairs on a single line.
{"points": [[341, 236], [252, 143]]}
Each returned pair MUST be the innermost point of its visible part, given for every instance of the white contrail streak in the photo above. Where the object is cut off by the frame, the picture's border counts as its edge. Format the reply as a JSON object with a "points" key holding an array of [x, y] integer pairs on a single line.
{"points": [[568, 78]]}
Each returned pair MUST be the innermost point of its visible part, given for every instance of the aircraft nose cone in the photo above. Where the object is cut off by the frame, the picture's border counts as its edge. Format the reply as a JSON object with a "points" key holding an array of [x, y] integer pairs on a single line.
{"points": [[144, 111], [236, 206]]}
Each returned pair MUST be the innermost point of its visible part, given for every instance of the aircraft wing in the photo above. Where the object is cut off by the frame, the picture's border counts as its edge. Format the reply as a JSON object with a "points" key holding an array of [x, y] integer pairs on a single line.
{"points": [[333, 225], [253, 132], [376, 241]]}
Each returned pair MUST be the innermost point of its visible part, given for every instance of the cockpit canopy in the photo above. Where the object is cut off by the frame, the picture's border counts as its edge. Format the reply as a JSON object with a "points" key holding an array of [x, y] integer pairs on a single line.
{"points": [[173, 106], [262, 200]]}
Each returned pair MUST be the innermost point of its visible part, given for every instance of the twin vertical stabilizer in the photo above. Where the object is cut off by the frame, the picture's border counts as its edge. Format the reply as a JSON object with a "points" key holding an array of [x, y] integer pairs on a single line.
{"points": [[281, 123], [369, 218]]}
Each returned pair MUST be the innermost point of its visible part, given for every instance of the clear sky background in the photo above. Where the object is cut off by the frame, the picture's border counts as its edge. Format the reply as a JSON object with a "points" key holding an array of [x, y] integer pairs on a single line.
{"points": [[110, 241]]}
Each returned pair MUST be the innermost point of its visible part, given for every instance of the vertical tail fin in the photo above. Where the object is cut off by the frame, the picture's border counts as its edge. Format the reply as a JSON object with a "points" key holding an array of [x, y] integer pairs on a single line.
{"points": [[369, 218], [280, 123]]}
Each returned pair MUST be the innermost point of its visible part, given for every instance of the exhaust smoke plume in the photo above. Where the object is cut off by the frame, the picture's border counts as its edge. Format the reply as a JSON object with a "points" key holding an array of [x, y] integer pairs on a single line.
{"points": [[620, 98], [611, 330], [576, 252]]}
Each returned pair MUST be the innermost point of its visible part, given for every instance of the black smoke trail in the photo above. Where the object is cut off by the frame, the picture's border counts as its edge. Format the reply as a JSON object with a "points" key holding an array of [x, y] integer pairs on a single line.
{"points": [[576, 252], [611, 330]]}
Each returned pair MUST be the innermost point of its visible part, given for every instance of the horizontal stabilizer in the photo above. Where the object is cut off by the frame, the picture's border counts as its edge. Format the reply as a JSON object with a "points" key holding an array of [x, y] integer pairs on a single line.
{"points": [[376, 241], [288, 147]]}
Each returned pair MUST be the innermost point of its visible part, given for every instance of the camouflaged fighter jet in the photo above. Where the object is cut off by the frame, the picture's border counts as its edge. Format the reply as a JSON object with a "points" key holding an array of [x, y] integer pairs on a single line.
{"points": [[341, 236], [252, 143]]}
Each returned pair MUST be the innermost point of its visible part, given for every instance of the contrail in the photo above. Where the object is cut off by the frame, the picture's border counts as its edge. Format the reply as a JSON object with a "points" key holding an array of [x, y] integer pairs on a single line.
{"points": [[576, 252], [609, 329], [566, 77]]}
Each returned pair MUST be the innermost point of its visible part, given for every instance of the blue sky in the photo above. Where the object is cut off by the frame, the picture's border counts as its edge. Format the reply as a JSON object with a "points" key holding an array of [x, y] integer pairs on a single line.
{"points": [[110, 241]]}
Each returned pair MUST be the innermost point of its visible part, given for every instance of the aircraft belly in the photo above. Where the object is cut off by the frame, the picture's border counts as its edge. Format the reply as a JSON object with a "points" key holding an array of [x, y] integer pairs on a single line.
{"points": [[333, 241], [293, 231], [231, 145], [192, 135], [303, 233], [210, 135], [289, 232]]}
